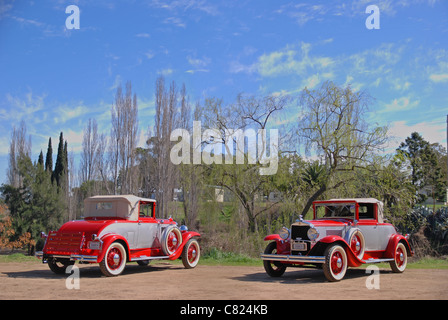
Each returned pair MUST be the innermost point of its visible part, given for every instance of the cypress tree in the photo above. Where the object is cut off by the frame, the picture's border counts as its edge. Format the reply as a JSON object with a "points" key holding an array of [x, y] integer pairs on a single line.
{"points": [[49, 158], [40, 161], [60, 166]]}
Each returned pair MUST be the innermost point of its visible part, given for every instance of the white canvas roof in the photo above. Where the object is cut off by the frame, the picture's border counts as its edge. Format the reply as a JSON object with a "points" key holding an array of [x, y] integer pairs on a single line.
{"points": [[119, 206]]}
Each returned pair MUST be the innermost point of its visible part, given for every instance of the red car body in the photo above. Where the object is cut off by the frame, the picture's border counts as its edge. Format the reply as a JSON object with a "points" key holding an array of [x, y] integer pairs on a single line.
{"points": [[343, 233], [116, 230]]}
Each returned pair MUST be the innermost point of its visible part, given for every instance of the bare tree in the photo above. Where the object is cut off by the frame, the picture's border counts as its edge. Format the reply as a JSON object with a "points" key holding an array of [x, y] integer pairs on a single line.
{"points": [[89, 161], [19, 147], [243, 178], [123, 142], [166, 105], [190, 174]]}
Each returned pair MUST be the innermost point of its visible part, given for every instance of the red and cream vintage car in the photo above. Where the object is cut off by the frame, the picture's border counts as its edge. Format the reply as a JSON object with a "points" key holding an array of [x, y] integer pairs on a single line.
{"points": [[116, 230], [344, 233]]}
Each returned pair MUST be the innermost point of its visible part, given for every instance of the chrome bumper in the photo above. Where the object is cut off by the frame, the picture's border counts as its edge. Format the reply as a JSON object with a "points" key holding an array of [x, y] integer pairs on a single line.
{"points": [[73, 257], [293, 258], [78, 257]]}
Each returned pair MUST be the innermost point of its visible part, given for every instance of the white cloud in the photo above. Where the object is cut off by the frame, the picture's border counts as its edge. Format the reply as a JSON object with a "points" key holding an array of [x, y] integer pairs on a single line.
{"points": [[143, 35], [67, 113], [439, 77], [18, 108], [401, 104], [292, 60], [165, 72], [175, 21], [430, 131]]}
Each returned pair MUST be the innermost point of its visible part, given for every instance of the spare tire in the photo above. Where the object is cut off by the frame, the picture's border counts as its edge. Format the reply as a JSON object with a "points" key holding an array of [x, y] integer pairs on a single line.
{"points": [[171, 240]]}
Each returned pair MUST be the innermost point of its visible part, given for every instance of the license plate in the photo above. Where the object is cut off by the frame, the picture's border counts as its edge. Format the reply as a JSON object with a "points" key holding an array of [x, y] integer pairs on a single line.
{"points": [[93, 245], [301, 246]]}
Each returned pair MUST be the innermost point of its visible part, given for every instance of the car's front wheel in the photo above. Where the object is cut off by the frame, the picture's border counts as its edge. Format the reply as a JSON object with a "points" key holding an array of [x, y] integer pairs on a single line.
{"points": [[335, 265], [400, 259], [273, 268], [114, 260], [191, 253]]}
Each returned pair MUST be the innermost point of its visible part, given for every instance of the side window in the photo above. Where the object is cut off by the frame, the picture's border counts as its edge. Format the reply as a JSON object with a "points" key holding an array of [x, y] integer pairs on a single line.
{"points": [[146, 210], [366, 211]]}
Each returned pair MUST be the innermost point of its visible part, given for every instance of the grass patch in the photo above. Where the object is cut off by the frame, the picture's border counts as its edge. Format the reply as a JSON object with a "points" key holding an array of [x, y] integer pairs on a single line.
{"points": [[17, 257], [215, 256], [429, 263]]}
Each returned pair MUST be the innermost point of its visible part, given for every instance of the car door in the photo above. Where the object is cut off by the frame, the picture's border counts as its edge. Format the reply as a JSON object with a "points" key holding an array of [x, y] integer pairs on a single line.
{"points": [[147, 233], [368, 225], [147, 226]]}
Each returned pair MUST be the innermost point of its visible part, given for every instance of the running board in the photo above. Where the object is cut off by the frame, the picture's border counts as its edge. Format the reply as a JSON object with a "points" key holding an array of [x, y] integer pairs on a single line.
{"points": [[378, 260], [149, 258]]}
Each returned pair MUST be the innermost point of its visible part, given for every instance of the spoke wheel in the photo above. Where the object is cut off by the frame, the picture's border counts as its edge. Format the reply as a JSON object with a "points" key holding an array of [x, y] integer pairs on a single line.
{"points": [[335, 265], [59, 266], [114, 260], [191, 253], [400, 259], [357, 244], [273, 268], [171, 240]]}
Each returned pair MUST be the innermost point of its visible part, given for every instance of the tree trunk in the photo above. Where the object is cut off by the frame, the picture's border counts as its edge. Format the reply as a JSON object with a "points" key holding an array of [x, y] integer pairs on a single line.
{"points": [[313, 198]]}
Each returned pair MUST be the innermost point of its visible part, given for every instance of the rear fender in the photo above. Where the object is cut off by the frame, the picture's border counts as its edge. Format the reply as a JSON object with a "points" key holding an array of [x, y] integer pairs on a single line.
{"points": [[393, 242], [185, 237], [108, 240]]}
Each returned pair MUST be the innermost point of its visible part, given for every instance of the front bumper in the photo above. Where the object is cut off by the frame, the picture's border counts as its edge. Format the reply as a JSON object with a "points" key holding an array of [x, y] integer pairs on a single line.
{"points": [[292, 258], [73, 257]]}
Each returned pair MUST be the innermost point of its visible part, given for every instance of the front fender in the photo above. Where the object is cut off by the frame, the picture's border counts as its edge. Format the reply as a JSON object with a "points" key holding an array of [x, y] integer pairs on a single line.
{"points": [[283, 246], [271, 237], [353, 260], [185, 237]]}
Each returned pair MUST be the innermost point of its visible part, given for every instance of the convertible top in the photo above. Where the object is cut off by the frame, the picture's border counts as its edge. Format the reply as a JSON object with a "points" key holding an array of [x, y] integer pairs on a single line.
{"points": [[117, 206]]}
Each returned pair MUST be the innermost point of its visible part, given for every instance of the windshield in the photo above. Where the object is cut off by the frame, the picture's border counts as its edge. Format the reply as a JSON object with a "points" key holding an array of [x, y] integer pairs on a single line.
{"points": [[331, 210]]}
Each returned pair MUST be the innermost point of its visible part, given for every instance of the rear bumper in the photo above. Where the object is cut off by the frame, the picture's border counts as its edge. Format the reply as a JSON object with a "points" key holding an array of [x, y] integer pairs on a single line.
{"points": [[293, 258], [73, 257]]}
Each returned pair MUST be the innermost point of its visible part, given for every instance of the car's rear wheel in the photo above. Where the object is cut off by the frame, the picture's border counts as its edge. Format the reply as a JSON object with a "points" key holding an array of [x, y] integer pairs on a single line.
{"points": [[114, 260], [273, 268], [191, 253], [400, 259], [59, 266], [335, 265]]}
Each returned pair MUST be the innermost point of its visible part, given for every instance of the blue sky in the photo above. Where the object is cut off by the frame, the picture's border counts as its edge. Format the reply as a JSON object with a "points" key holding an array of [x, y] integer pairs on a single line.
{"points": [[55, 79]]}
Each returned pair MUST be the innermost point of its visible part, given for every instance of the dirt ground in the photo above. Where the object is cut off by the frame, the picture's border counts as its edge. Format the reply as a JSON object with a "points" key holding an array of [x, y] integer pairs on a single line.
{"points": [[163, 280]]}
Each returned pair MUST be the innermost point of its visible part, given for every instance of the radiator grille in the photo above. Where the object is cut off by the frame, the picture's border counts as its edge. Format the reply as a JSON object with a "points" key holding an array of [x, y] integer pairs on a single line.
{"points": [[299, 232]]}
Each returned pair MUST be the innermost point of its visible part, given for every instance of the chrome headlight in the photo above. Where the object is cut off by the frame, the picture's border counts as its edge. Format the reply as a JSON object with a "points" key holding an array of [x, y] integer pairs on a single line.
{"points": [[312, 234], [284, 233]]}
